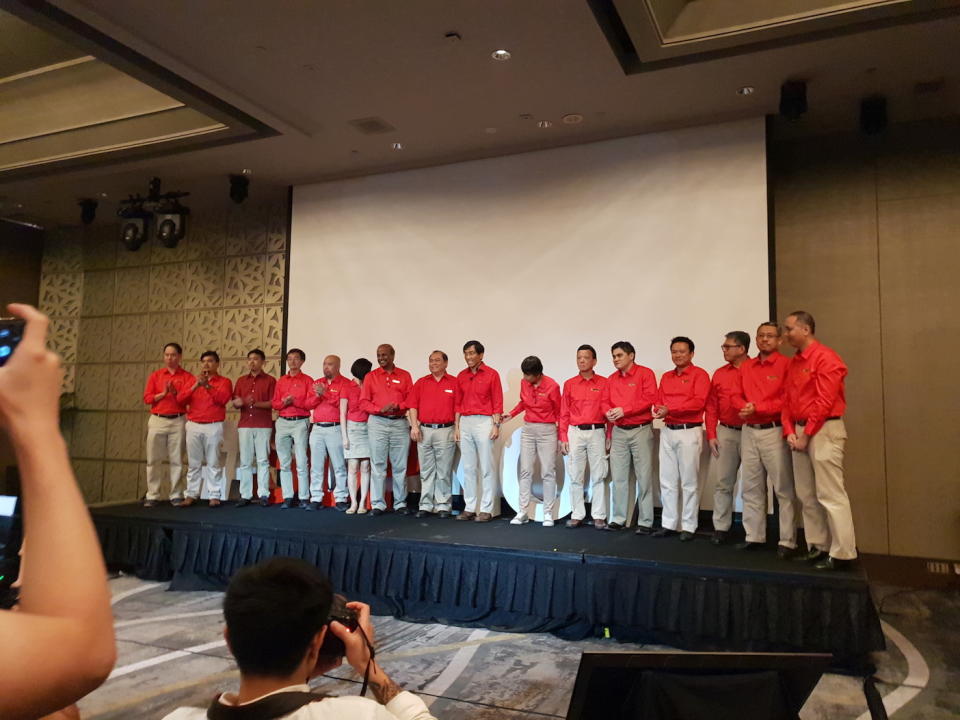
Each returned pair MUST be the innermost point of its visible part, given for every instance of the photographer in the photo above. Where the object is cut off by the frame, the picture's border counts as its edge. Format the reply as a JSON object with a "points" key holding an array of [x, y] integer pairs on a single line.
{"points": [[59, 644], [277, 615]]}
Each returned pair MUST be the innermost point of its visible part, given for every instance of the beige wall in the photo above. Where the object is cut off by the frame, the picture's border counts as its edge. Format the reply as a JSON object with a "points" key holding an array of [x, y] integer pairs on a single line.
{"points": [[113, 310], [867, 240]]}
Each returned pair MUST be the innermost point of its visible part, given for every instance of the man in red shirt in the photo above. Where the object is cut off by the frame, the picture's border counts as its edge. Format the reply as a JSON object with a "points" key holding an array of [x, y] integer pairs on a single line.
{"points": [[633, 391], [432, 411], [206, 401], [540, 400], [384, 396], [582, 431], [165, 428], [292, 398], [479, 407], [329, 434], [764, 451], [813, 425], [724, 429], [681, 401], [253, 397]]}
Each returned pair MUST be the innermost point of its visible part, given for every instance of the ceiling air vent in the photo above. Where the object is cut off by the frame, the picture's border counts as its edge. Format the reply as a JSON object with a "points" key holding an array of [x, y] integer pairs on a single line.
{"points": [[372, 125]]}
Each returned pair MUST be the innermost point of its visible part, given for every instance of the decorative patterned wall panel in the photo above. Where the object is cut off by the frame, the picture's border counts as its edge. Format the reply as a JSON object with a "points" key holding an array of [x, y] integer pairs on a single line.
{"points": [[204, 284], [272, 329], [93, 382], [63, 338], [120, 481], [89, 435], [253, 230], [61, 294], [275, 272], [168, 286], [93, 342], [90, 479], [99, 288], [99, 246], [61, 251], [133, 291], [126, 387], [126, 436], [129, 339], [202, 331], [161, 329], [69, 378], [141, 257], [277, 228], [208, 235], [244, 280], [242, 331], [161, 254]]}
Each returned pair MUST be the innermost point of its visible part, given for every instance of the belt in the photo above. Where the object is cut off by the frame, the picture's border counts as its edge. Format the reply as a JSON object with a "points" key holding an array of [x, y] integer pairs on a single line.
{"points": [[170, 417], [589, 426], [683, 426], [205, 422], [326, 424], [738, 428], [390, 417], [801, 423], [437, 426], [634, 427], [766, 426], [293, 417]]}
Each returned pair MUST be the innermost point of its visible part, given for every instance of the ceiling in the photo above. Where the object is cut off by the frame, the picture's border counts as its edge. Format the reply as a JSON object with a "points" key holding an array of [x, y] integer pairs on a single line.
{"points": [[308, 70]]}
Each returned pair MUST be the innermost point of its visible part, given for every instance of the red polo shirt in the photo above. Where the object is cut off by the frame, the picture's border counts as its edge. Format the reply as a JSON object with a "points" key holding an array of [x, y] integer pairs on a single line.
{"points": [[434, 400], [354, 412], [684, 393], [635, 392], [480, 392], [207, 405], [813, 389], [724, 400], [255, 388], [584, 402], [382, 388], [300, 387], [762, 382], [326, 407], [157, 383], [540, 402]]}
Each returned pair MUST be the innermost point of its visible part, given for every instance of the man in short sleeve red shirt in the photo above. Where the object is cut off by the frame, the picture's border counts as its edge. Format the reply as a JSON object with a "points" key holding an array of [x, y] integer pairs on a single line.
{"points": [[253, 397], [329, 433], [165, 430], [432, 411], [291, 398]]}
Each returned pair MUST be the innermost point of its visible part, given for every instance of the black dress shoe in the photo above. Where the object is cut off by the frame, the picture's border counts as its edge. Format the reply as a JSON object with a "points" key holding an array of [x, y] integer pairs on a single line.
{"points": [[376, 512], [288, 503], [342, 506], [600, 524], [662, 532], [264, 502], [574, 523], [718, 537], [423, 513], [404, 510], [614, 526], [811, 556], [149, 503], [686, 536], [748, 546], [785, 553], [643, 530], [444, 514], [242, 502], [832, 563], [312, 507]]}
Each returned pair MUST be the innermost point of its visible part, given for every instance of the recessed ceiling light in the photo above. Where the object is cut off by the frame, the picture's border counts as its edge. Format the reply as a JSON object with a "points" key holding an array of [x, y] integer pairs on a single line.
{"points": [[397, 146], [572, 119], [103, 195], [745, 90], [526, 116], [501, 55], [544, 124], [246, 171]]}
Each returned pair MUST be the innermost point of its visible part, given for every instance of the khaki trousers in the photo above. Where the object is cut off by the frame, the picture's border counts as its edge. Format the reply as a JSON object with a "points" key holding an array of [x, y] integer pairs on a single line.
{"points": [[436, 450], [538, 441], [680, 477], [636, 445], [588, 446], [203, 448], [765, 454], [727, 465], [818, 473], [165, 438]]}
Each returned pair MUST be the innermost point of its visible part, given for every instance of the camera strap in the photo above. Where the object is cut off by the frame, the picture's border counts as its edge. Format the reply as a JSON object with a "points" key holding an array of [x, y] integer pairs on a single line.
{"points": [[268, 708]]}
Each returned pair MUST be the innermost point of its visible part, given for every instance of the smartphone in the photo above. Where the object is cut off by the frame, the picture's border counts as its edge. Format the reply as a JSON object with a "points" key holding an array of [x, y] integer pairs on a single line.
{"points": [[11, 332], [11, 538]]}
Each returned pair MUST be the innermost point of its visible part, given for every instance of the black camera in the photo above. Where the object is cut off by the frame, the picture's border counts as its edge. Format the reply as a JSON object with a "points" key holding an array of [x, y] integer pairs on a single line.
{"points": [[332, 645]]}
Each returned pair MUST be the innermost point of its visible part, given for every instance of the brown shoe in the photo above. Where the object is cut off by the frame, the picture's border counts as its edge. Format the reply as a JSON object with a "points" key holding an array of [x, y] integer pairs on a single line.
{"points": [[574, 523], [213, 502], [466, 515], [483, 517], [187, 502], [600, 524]]}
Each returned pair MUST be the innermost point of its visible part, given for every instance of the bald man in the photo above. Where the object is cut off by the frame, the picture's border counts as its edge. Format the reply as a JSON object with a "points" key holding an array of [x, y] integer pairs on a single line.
{"points": [[328, 435]]}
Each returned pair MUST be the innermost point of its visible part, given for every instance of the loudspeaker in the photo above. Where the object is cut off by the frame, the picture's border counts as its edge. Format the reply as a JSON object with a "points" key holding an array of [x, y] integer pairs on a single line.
{"points": [[793, 99], [873, 115]]}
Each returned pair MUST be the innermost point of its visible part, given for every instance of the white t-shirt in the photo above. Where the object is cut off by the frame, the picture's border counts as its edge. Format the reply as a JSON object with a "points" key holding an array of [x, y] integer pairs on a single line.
{"points": [[405, 706]]}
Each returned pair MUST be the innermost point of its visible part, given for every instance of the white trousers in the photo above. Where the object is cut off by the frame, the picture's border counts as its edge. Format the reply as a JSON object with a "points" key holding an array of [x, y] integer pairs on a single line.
{"points": [[327, 442], [538, 441], [727, 465], [588, 446], [254, 444], [164, 438], [203, 447], [631, 445], [389, 440], [679, 477], [827, 519], [765, 454], [476, 453], [293, 436], [435, 451]]}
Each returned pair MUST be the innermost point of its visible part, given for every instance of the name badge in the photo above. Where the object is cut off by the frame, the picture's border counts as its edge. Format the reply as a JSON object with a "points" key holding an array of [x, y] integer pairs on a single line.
{"points": [[396, 381], [449, 391], [631, 384], [594, 389]]}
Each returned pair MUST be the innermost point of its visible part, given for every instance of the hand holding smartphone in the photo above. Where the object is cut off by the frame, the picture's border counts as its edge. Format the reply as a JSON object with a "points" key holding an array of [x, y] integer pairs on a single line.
{"points": [[11, 333]]}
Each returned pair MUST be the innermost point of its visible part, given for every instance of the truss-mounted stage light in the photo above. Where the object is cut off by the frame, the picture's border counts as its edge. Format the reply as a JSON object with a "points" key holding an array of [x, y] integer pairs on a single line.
{"points": [[793, 99], [88, 210], [171, 221], [239, 187], [134, 225]]}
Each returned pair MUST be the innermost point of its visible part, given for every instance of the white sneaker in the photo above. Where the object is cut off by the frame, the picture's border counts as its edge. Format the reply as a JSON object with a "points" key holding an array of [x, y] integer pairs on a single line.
{"points": [[520, 520], [547, 521]]}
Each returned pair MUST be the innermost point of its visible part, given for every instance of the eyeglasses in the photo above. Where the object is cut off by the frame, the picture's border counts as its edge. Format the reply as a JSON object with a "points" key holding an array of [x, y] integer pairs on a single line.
{"points": [[729, 347]]}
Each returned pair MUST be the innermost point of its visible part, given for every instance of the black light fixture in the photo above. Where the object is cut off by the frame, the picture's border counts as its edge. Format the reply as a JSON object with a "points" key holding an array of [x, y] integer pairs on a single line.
{"points": [[134, 225], [873, 115], [793, 99], [239, 186], [137, 213], [88, 210], [171, 221]]}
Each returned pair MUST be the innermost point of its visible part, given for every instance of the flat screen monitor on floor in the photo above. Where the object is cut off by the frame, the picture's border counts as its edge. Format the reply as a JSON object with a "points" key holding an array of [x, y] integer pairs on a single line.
{"points": [[714, 686]]}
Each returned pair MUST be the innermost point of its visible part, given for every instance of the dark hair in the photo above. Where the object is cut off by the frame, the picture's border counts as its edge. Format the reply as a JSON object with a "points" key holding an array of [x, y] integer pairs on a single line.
{"points": [[477, 346], [273, 610], [622, 345], [592, 350], [771, 323], [258, 351], [740, 338], [683, 339], [531, 366], [806, 318], [175, 346], [298, 351], [442, 354], [210, 353], [360, 368]]}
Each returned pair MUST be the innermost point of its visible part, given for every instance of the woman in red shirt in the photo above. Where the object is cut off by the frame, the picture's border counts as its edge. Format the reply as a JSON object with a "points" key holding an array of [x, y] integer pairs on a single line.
{"points": [[357, 448]]}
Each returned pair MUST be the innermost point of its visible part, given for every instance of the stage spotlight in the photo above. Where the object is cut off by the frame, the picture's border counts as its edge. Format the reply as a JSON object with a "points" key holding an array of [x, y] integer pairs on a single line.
{"points": [[171, 221], [793, 99], [239, 188], [134, 224], [88, 210], [873, 115]]}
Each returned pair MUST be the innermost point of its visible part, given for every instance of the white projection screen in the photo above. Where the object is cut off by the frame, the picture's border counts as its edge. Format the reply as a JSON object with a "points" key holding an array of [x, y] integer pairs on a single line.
{"points": [[640, 238]]}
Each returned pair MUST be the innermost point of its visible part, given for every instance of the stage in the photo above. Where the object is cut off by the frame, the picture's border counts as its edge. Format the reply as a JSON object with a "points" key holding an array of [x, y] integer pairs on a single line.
{"points": [[526, 578]]}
